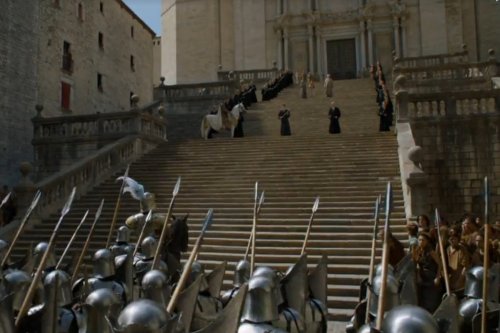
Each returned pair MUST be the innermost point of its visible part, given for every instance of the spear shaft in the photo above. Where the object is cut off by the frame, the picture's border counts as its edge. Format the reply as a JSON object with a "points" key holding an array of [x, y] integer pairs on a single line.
{"points": [[308, 232], [486, 258], [442, 254], [59, 263], [372, 259], [117, 208]]}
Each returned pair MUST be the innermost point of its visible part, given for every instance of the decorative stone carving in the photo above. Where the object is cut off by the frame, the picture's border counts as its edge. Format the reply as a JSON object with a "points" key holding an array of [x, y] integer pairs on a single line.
{"points": [[400, 83], [415, 155]]}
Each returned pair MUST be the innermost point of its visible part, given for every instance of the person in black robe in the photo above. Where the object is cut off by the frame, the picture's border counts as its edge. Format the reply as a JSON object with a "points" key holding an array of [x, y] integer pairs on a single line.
{"points": [[385, 117], [238, 130], [283, 115], [334, 115]]}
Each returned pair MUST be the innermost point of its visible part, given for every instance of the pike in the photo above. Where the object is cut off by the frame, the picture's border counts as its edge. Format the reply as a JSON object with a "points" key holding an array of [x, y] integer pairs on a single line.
{"points": [[59, 263], [117, 208], [313, 211], [38, 275], [141, 236], [385, 258], [442, 252], [87, 242], [256, 216], [486, 259], [163, 235], [187, 265], [254, 225], [26, 216], [372, 258]]}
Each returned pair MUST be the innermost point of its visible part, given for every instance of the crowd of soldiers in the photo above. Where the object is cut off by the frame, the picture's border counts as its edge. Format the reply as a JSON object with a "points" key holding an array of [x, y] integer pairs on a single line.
{"points": [[143, 288], [383, 99], [274, 86], [439, 283]]}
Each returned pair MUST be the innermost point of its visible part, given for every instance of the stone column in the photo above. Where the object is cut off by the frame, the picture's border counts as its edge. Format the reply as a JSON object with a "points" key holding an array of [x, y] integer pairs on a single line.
{"points": [[403, 36], [285, 6], [370, 42], [395, 25], [318, 52], [280, 49], [311, 48], [363, 44], [278, 7], [285, 47]]}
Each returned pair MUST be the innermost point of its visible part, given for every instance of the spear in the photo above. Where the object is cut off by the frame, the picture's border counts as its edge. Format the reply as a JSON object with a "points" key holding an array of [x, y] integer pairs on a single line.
{"points": [[59, 263], [437, 221], [254, 227], [313, 211], [87, 242], [187, 265], [372, 259], [38, 275], [486, 251], [5, 199], [385, 258], [32, 206], [163, 235], [117, 207], [141, 236], [256, 216]]}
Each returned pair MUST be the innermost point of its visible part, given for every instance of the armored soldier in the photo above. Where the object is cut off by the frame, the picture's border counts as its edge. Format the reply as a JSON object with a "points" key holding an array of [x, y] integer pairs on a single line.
{"points": [[145, 316], [102, 308], [156, 288], [260, 309], [38, 253], [392, 288], [122, 245], [144, 260], [207, 307], [409, 318], [241, 275]]}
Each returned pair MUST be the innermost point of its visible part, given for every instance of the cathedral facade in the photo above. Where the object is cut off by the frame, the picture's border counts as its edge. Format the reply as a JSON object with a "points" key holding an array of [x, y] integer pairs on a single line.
{"points": [[341, 37]]}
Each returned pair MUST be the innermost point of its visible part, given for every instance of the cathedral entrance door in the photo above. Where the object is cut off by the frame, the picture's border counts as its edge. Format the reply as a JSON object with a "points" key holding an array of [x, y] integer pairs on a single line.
{"points": [[341, 58]]}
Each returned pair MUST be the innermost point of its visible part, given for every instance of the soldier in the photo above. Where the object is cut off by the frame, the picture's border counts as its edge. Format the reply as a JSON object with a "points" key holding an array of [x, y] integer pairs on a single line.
{"points": [[145, 316], [156, 288], [122, 245], [102, 308], [38, 254], [260, 309], [392, 288], [241, 275], [144, 261], [409, 318], [207, 306]]}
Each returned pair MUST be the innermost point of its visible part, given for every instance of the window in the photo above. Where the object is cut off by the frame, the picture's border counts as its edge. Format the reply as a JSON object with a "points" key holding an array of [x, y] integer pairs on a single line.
{"points": [[101, 7], [132, 64], [80, 11], [101, 40], [67, 59], [65, 96], [99, 82], [132, 31]]}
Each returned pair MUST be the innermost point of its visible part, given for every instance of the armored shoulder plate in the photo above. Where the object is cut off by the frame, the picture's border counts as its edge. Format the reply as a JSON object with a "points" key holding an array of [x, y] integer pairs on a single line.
{"points": [[406, 274], [296, 286], [318, 280], [186, 302], [446, 315], [215, 279], [206, 310], [125, 273]]}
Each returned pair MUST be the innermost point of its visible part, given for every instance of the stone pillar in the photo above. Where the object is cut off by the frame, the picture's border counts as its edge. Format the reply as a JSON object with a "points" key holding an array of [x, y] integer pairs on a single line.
{"points": [[280, 49], [403, 36], [311, 48], [285, 48], [363, 44], [25, 190], [318, 52], [278, 7], [285, 6], [395, 25], [370, 42]]}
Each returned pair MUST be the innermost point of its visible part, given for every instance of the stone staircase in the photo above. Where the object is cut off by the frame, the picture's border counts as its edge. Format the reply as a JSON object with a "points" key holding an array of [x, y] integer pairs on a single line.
{"points": [[347, 171]]}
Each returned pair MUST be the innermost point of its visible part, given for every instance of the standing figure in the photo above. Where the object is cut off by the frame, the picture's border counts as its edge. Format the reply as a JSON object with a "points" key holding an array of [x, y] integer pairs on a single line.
{"points": [[283, 115], [328, 85], [310, 83], [238, 130], [303, 86], [458, 262], [334, 115]]}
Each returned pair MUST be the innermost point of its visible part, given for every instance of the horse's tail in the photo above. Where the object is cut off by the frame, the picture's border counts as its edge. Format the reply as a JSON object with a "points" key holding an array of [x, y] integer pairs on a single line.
{"points": [[203, 122]]}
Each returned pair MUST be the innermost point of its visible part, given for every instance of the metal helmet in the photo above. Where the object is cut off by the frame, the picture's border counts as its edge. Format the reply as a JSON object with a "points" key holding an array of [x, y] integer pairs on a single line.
{"points": [[102, 305], [39, 252], [135, 221], [61, 281], [17, 284], [269, 273], [474, 282], [197, 269], [378, 270], [148, 203], [241, 273], [409, 319], [148, 247], [467, 310], [391, 296], [143, 316], [260, 303], [104, 264], [123, 234], [156, 288]]}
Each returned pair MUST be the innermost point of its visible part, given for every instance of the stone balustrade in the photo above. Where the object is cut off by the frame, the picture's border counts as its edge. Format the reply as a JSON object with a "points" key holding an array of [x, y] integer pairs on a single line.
{"points": [[199, 91], [431, 60], [254, 76]]}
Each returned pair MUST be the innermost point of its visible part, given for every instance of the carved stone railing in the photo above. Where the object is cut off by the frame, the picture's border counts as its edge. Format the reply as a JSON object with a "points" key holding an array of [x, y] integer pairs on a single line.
{"points": [[254, 75], [431, 60], [59, 141], [199, 91]]}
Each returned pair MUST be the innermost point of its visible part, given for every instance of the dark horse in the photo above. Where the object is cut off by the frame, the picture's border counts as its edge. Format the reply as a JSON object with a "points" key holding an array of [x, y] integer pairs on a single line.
{"points": [[179, 238]]}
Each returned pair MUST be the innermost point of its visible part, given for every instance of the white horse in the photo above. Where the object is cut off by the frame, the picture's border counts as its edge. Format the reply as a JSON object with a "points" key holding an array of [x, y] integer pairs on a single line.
{"points": [[222, 120]]}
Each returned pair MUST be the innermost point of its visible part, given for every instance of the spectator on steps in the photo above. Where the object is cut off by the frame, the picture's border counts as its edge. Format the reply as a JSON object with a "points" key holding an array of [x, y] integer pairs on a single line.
{"points": [[283, 115], [334, 115], [328, 85]]}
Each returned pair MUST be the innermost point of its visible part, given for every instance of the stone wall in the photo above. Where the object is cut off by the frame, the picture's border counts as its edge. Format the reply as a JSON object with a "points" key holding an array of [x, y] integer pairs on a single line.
{"points": [[458, 152], [156, 61], [18, 85]]}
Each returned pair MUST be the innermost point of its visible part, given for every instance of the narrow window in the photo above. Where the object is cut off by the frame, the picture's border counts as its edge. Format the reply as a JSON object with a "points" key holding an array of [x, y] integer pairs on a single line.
{"points": [[132, 64], [101, 7], [99, 82], [65, 96], [132, 31], [67, 59], [101, 40], [80, 11]]}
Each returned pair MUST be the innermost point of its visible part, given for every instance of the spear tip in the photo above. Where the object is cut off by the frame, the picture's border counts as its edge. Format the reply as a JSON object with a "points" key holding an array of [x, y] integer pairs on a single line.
{"points": [[177, 187]]}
